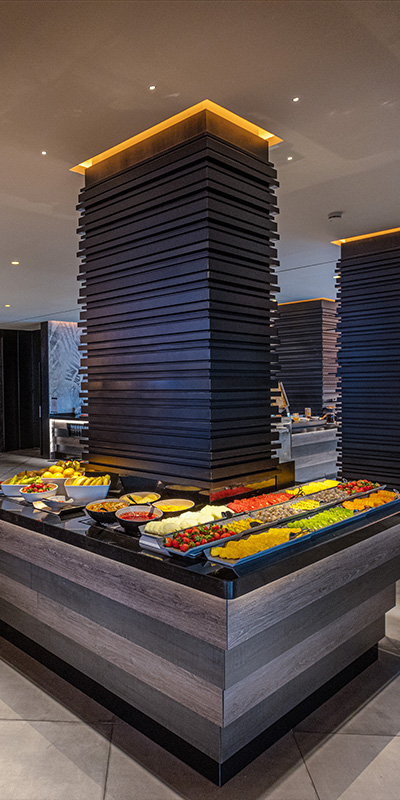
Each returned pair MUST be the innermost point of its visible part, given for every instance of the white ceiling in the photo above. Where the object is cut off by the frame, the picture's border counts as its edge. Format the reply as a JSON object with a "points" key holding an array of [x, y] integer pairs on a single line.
{"points": [[74, 81]]}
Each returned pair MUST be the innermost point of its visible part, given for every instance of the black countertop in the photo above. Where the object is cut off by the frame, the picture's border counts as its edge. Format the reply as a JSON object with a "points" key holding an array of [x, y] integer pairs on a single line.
{"points": [[75, 529]]}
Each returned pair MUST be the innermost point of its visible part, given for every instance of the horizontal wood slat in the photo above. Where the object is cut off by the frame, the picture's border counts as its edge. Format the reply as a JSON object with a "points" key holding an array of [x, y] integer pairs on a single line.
{"points": [[307, 353], [369, 359], [177, 296]]}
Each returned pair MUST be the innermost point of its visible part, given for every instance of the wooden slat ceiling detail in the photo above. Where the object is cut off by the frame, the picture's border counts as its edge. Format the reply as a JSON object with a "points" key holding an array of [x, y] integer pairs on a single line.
{"points": [[177, 301], [307, 353], [369, 359]]}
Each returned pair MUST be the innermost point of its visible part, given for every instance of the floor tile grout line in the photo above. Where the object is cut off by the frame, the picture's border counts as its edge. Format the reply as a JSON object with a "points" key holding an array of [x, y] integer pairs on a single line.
{"points": [[108, 762], [306, 767], [78, 721], [346, 733]]}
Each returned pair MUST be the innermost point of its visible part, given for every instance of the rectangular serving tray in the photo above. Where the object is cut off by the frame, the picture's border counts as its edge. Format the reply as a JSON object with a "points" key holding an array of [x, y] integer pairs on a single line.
{"points": [[194, 551], [302, 537], [154, 542]]}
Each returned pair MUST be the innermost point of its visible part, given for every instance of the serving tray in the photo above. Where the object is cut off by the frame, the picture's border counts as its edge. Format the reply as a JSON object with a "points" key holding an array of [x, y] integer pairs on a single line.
{"points": [[194, 551], [300, 537]]}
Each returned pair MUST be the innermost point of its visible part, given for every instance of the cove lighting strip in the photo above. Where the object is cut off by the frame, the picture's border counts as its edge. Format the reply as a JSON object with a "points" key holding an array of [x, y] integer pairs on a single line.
{"points": [[205, 105], [365, 236]]}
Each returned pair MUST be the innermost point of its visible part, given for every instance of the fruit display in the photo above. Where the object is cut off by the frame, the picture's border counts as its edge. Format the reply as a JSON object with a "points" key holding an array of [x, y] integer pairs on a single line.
{"points": [[315, 486], [39, 486], [356, 487], [256, 543], [260, 501], [185, 520], [63, 469], [304, 505], [328, 517], [374, 500], [203, 534], [80, 480]]}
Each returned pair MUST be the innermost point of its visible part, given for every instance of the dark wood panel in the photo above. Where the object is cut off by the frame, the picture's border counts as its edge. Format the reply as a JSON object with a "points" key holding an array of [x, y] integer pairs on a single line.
{"points": [[307, 345], [369, 358], [177, 296]]}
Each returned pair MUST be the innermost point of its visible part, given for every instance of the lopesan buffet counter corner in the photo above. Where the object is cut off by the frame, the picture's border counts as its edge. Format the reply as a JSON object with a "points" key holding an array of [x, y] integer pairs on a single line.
{"points": [[211, 662]]}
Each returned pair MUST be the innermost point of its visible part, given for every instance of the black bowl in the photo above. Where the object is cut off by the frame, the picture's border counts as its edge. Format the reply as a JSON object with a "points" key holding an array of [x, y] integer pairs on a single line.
{"points": [[131, 526], [102, 516]]}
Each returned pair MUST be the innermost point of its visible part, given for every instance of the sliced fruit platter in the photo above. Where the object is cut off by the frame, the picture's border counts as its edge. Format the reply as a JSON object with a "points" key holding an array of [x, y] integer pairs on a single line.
{"points": [[273, 539], [194, 540]]}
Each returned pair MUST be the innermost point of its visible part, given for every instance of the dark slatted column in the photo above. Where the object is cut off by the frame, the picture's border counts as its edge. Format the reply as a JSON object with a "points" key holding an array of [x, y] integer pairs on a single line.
{"points": [[177, 293], [369, 358], [307, 353]]}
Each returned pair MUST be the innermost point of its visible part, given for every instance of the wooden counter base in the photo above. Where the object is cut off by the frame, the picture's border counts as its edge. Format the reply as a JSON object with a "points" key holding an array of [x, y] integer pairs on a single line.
{"points": [[222, 675]]}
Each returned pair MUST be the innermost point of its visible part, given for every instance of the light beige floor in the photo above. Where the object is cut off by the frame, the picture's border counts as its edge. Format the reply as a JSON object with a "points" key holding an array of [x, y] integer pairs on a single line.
{"points": [[56, 744]]}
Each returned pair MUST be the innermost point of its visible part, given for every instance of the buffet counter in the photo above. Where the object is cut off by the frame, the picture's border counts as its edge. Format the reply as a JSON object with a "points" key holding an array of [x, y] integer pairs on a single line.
{"points": [[212, 662]]}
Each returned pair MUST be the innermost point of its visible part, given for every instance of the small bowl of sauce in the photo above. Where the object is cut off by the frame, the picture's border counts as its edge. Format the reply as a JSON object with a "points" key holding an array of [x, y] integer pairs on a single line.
{"points": [[130, 518]]}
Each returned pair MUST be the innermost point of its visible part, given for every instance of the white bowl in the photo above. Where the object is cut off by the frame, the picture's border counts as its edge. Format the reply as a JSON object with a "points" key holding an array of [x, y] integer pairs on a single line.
{"points": [[86, 494], [31, 497], [13, 489], [59, 481]]}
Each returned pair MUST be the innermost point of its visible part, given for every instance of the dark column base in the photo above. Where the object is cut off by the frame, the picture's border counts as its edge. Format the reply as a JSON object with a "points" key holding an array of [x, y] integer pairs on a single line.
{"points": [[211, 769]]}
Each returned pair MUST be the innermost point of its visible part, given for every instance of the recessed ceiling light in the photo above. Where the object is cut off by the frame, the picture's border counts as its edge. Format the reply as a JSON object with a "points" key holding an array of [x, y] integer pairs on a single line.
{"points": [[7, 305], [152, 87], [15, 262], [290, 158], [44, 152], [296, 99]]}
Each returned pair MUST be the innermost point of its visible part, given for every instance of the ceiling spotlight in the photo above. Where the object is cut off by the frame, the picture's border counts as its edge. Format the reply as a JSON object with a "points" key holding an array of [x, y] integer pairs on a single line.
{"points": [[296, 99], [335, 215], [44, 152], [7, 305], [15, 262], [151, 88], [290, 158]]}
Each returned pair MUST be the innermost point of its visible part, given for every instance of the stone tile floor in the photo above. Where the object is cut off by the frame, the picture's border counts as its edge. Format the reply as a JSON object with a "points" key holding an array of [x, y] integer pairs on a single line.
{"points": [[57, 744]]}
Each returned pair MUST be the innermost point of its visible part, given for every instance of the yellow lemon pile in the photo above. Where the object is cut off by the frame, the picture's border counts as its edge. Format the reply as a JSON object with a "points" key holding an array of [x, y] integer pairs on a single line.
{"points": [[64, 469]]}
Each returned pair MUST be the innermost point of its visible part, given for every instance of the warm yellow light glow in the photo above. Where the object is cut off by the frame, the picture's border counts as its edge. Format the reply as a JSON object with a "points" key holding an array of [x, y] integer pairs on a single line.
{"points": [[296, 99], [15, 262], [152, 87], [290, 158], [44, 152], [310, 300], [365, 236], [7, 305], [205, 105]]}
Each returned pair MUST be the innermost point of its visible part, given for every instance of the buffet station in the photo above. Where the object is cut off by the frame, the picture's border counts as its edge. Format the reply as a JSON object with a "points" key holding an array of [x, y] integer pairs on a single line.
{"points": [[212, 624], [181, 575]]}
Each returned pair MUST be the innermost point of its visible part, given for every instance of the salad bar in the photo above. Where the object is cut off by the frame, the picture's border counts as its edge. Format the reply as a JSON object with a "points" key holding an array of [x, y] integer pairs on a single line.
{"points": [[211, 625]]}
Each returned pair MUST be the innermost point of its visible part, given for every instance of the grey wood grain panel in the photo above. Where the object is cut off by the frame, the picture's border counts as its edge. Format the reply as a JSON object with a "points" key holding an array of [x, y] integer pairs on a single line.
{"points": [[257, 610], [15, 568], [197, 613], [179, 684], [179, 648], [194, 729], [244, 729], [248, 656], [251, 690], [19, 595]]}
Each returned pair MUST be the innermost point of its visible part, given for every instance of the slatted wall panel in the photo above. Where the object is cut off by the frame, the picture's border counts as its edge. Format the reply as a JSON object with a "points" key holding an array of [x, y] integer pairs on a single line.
{"points": [[307, 353], [369, 358], [177, 300]]}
